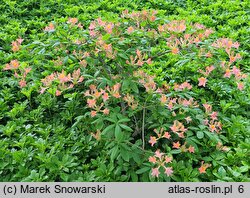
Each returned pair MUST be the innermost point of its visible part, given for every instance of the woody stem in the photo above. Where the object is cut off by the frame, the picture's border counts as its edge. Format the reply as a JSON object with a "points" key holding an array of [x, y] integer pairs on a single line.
{"points": [[143, 126]]}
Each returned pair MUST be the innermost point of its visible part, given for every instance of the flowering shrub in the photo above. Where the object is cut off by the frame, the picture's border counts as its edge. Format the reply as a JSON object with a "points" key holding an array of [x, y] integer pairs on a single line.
{"points": [[144, 91]]}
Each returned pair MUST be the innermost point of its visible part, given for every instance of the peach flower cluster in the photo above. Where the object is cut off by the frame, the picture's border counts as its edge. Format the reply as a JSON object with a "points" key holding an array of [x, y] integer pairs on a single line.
{"points": [[161, 160], [64, 81]]}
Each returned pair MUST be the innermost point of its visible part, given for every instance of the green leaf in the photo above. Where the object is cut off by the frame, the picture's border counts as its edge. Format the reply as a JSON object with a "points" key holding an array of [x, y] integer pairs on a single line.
{"points": [[126, 85], [118, 133], [114, 152], [122, 55], [212, 136], [200, 135], [134, 87], [176, 151], [78, 119], [222, 172], [143, 170], [127, 128], [106, 37], [111, 120], [108, 129], [134, 177], [137, 158], [234, 173], [124, 120], [243, 169], [125, 155]]}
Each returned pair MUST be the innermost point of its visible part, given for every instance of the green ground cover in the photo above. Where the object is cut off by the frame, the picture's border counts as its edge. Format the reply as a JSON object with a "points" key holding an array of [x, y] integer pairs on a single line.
{"points": [[97, 93]]}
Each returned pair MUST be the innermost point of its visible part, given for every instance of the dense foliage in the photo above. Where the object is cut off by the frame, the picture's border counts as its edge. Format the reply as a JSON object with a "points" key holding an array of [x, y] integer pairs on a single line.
{"points": [[124, 91]]}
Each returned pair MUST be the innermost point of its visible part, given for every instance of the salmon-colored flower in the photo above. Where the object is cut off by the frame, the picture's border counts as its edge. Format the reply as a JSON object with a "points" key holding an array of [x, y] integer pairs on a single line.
{"points": [[91, 103], [178, 126], [240, 86], [202, 81], [176, 26], [100, 22], [15, 46], [63, 78], [139, 63], [205, 122], [168, 159], [185, 102], [175, 50], [14, 64], [106, 111], [207, 107], [92, 33], [155, 172], [219, 125], [22, 83], [7, 67], [209, 55], [97, 94], [152, 140], [92, 25], [49, 28], [228, 73], [203, 167], [87, 93], [58, 93], [161, 28], [176, 145], [130, 29], [80, 25], [225, 43], [93, 113], [76, 76], [116, 95], [47, 81], [16, 75], [170, 105], [174, 128], [158, 154], [167, 135], [152, 159], [97, 136], [83, 63], [149, 61], [71, 86], [163, 99], [185, 85], [20, 40], [152, 18], [181, 135], [220, 146], [213, 115], [158, 133], [209, 69], [42, 90], [212, 127], [236, 71], [109, 27], [73, 21], [27, 70], [169, 171], [116, 87], [80, 79], [188, 119], [191, 149], [92, 87]]}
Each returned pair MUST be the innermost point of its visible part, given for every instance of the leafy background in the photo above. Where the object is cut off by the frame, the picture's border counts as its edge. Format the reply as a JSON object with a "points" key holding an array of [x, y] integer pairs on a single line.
{"points": [[40, 136]]}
